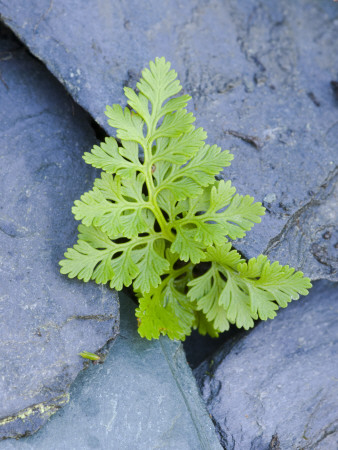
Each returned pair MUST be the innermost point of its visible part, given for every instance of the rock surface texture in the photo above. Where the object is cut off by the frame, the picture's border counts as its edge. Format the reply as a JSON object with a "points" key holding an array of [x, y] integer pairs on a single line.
{"points": [[260, 74], [263, 78], [279, 380], [143, 397], [45, 318]]}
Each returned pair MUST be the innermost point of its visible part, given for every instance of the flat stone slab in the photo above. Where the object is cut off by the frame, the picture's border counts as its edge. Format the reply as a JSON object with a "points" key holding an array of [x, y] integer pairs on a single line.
{"points": [[143, 397], [260, 75], [45, 318], [278, 383]]}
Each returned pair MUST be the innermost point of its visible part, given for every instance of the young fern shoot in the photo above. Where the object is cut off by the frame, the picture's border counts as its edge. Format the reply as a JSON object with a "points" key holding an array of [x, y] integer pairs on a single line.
{"points": [[159, 219]]}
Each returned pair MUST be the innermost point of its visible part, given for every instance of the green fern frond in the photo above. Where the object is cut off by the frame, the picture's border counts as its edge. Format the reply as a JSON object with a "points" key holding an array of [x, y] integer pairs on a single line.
{"points": [[157, 212]]}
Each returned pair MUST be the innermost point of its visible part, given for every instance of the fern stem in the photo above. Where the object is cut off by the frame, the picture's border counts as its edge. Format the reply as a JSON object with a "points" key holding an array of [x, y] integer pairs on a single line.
{"points": [[167, 234]]}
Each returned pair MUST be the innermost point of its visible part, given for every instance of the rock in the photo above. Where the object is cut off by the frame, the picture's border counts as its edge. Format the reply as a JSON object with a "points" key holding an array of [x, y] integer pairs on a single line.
{"points": [[45, 318], [310, 238], [143, 396], [278, 383], [260, 76]]}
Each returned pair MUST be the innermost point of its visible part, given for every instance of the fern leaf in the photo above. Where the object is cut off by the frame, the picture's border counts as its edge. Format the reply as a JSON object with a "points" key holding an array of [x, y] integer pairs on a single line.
{"points": [[186, 247], [116, 206], [199, 172], [205, 291], [113, 159], [167, 310], [152, 264], [159, 83], [97, 257], [203, 325], [157, 211], [128, 124], [245, 291], [213, 225], [180, 149]]}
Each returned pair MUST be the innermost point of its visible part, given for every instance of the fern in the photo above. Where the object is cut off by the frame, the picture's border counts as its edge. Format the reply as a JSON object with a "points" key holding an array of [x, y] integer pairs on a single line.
{"points": [[158, 219]]}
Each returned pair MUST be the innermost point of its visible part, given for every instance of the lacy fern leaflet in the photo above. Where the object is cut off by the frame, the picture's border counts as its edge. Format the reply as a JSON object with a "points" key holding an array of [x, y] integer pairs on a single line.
{"points": [[159, 220]]}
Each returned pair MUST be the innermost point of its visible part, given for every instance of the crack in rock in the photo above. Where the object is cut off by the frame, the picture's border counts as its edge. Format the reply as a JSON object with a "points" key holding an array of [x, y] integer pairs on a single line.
{"points": [[36, 414], [314, 228]]}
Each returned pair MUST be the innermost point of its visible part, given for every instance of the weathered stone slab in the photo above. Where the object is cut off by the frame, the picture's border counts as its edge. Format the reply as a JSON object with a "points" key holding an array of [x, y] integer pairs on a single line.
{"points": [[45, 318], [310, 238], [279, 380], [143, 397], [260, 76]]}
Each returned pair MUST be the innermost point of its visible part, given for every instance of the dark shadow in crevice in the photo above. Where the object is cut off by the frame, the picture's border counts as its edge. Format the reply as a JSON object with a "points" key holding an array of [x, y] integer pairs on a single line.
{"points": [[198, 348], [100, 133]]}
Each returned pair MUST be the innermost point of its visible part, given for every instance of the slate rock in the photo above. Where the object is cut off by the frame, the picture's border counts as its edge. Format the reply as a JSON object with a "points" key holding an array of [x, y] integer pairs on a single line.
{"points": [[278, 383], [260, 76], [143, 397], [45, 318], [310, 239]]}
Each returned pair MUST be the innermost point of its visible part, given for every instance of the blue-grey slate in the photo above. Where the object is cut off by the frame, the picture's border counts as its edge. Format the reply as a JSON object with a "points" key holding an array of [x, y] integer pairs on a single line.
{"points": [[278, 383], [261, 75], [143, 397], [45, 318]]}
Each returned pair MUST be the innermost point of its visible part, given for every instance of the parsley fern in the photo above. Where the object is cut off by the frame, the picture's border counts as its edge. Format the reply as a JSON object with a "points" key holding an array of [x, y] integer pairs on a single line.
{"points": [[158, 219]]}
